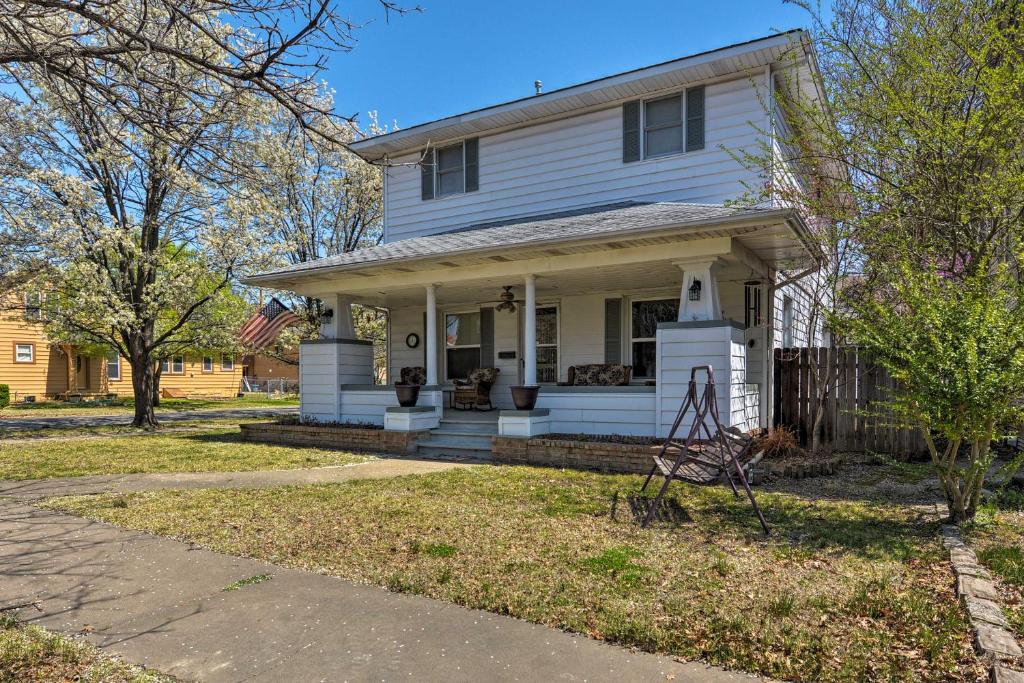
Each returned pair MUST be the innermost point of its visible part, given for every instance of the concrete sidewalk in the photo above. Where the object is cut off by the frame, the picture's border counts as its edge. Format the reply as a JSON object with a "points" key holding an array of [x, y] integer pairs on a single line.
{"points": [[32, 423], [35, 489], [161, 603]]}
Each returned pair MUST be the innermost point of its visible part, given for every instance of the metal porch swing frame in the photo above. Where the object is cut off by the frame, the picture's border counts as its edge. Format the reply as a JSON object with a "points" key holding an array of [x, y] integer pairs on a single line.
{"points": [[705, 455]]}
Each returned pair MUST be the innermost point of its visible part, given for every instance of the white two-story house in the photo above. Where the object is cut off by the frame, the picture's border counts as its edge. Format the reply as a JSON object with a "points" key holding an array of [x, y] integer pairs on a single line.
{"points": [[606, 210]]}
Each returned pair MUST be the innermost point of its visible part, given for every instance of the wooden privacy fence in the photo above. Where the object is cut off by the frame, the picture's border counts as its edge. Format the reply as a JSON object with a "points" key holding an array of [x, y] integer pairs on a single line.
{"points": [[854, 419]]}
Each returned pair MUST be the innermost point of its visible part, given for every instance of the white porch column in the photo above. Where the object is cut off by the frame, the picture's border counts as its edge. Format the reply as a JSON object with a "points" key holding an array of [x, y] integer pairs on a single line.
{"points": [[707, 306], [431, 333], [530, 332], [340, 325]]}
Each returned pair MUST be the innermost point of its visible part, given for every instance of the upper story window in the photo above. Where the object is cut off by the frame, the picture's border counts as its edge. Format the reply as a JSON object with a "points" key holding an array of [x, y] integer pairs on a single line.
{"points": [[663, 126], [450, 170], [33, 305]]}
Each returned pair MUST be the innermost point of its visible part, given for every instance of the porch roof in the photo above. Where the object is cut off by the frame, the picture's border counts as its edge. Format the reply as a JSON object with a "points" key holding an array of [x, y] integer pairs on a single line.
{"points": [[781, 231]]}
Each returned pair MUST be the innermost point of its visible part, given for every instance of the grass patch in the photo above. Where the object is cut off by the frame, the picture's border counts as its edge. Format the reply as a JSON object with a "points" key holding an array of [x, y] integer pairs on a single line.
{"points": [[30, 653], [122, 429], [126, 405], [1007, 562], [252, 580], [845, 590], [210, 450]]}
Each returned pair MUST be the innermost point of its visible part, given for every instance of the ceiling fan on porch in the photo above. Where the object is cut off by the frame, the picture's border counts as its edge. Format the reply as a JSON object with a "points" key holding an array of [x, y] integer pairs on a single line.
{"points": [[506, 300]]}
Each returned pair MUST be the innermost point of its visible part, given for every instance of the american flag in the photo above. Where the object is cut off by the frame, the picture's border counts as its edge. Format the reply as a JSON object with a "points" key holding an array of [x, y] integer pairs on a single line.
{"points": [[261, 329]]}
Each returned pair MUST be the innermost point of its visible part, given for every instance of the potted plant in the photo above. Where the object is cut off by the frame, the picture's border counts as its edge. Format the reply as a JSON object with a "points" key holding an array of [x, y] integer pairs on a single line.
{"points": [[525, 396], [407, 394]]}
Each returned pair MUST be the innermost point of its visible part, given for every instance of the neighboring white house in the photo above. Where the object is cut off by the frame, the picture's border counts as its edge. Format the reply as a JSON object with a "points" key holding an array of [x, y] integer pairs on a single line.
{"points": [[600, 205]]}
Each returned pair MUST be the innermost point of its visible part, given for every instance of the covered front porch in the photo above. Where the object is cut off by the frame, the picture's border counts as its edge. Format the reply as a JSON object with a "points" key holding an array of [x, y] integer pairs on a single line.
{"points": [[655, 298]]}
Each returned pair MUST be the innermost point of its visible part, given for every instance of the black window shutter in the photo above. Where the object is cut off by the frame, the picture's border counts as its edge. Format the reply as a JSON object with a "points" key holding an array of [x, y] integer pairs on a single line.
{"points": [[472, 164], [487, 337], [695, 118], [427, 174], [631, 131], [613, 330]]}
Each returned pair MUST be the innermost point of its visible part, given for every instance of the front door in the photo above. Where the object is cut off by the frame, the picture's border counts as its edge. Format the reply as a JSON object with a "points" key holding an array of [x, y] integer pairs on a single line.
{"points": [[82, 372]]}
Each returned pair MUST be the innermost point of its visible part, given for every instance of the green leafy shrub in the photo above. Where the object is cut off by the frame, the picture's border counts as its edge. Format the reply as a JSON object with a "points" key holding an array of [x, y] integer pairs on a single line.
{"points": [[5, 395]]}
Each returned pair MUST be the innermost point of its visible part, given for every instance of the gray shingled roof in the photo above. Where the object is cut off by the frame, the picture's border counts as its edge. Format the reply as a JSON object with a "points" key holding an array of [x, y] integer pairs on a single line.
{"points": [[598, 221]]}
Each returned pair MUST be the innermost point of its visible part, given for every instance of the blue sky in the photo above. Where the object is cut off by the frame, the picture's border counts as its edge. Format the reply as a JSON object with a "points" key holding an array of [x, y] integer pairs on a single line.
{"points": [[459, 55]]}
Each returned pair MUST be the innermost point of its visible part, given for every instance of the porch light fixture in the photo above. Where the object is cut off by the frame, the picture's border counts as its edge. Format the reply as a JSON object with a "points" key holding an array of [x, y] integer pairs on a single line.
{"points": [[695, 290], [507, 301]]}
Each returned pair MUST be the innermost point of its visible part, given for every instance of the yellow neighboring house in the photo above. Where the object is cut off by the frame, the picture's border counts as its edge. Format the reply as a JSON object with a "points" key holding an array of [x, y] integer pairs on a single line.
{"points": [[32, 365]]}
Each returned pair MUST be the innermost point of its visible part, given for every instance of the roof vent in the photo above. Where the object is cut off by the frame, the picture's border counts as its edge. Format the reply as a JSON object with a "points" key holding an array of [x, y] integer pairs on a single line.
{"points": [[537, 86]]}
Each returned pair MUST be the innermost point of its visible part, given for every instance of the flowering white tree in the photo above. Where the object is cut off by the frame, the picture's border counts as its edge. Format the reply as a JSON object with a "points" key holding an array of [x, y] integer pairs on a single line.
{"points": [[138, 234], [317, 199]]}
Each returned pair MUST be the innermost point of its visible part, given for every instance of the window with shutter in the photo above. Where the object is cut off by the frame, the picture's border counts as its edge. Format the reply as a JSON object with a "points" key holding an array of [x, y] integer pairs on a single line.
{"points": [[663, 126], [449, 170]]}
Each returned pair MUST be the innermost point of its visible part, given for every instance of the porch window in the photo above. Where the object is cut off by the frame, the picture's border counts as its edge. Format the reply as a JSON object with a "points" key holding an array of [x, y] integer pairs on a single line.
{"points": [[113, 366], [645, 316], [462, 344], [547, 344]]}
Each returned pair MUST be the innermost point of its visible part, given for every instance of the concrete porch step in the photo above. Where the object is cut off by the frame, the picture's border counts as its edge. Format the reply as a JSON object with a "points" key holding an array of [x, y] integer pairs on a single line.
{"points": [[467, 438], [469, 426]]}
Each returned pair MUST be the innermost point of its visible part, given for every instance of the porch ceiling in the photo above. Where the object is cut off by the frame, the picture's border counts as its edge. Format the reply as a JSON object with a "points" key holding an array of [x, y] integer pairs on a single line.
{"points": [[635, 278]]}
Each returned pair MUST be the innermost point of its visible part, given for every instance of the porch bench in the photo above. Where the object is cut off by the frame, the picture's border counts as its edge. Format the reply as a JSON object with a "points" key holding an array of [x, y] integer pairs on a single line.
{"points": [[598, 375]]}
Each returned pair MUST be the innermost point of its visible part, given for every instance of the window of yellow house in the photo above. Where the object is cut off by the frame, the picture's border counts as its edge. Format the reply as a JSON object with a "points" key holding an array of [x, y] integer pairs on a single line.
{"points": [[113, 366], [24, 353], [227, 364], [207, 363]]}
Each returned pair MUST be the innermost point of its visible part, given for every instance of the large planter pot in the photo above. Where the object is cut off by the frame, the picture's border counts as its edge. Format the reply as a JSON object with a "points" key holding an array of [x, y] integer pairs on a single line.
{"points": [[525, 397], [407, 394]]}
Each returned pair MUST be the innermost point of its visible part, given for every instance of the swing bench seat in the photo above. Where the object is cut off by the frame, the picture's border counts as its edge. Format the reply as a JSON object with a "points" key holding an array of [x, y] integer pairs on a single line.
{"points": [[705, 461]]}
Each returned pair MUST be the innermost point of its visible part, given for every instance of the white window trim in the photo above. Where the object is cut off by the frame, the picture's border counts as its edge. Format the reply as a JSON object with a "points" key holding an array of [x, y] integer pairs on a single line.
{"points": [[31, 352], [116, 363], [437, 169], [207, 358], [227, 364], [683, 106], [558, 341], [445, 346], [628, 360]]}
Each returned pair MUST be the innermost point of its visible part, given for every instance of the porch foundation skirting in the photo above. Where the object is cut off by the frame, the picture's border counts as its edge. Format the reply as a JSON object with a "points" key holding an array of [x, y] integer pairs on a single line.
{"points": [[325, 436], [580, 455]]}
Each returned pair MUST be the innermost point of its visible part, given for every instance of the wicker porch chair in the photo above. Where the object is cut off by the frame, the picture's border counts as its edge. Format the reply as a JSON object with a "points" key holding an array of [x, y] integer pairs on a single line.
{"points": [[475, 391], [413, 375]]}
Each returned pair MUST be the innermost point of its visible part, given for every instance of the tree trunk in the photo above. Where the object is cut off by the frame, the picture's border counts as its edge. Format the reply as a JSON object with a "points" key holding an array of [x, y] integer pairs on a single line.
{"points": [[158, 372], [143, 385]]}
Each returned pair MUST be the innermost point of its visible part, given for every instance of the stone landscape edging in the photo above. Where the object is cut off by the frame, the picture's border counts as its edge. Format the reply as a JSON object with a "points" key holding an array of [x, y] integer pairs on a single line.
{"points": [[992, 638]]}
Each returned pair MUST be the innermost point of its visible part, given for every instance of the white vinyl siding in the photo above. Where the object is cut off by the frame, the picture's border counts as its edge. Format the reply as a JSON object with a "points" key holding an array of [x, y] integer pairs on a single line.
{"points": [[576, 162]]}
